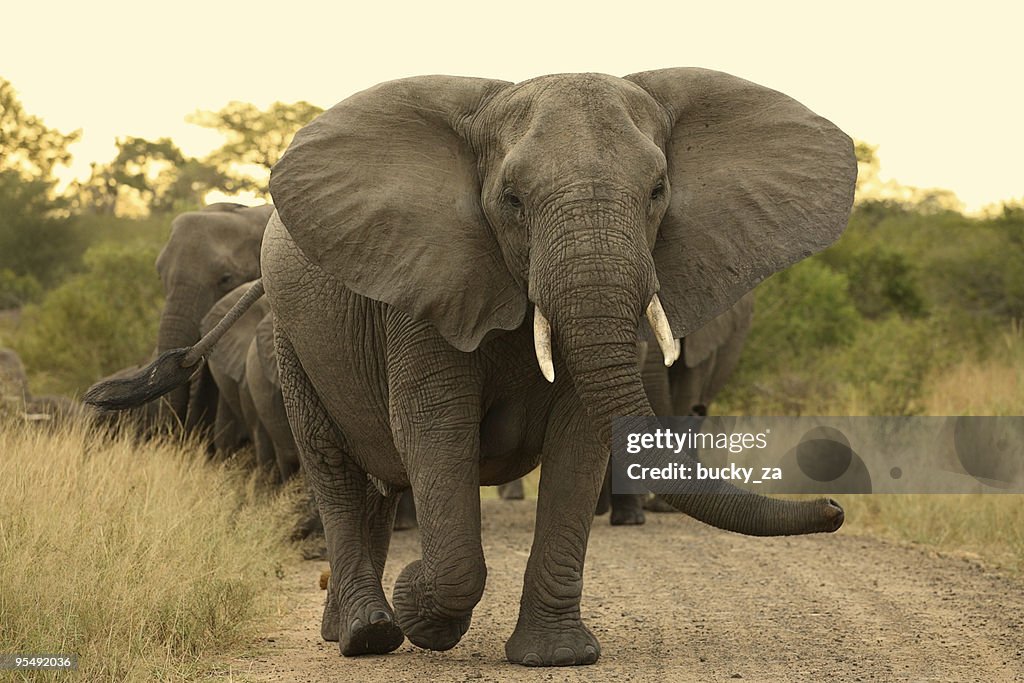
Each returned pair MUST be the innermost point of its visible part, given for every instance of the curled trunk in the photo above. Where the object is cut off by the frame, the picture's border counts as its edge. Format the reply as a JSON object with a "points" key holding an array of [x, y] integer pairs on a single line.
{"points": [[594, 322]]}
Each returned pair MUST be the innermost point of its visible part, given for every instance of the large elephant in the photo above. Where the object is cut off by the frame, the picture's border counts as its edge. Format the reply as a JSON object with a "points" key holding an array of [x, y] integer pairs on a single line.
{"points": [[435, 234], [209, 253], [707, 358]]}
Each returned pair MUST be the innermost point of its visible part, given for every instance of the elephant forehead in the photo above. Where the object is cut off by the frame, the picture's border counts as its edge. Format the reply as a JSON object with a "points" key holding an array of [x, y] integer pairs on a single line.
{"points": [[577, 104]]}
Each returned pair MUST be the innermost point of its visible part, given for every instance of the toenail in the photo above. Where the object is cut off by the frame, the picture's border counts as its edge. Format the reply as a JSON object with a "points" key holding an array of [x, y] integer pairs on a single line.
{"points": [[532, 659]]}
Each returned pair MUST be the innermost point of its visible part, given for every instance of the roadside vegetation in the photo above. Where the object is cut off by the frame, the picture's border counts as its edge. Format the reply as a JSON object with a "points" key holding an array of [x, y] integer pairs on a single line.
{"points": [[146, 560]]}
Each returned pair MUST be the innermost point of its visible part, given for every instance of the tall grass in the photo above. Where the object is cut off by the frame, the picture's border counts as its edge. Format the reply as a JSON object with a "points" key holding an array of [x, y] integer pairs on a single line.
{"points": [[144, 560]]}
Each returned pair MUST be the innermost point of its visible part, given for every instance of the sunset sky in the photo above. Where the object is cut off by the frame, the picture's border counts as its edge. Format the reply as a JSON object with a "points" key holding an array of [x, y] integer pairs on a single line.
{"points": [[939, 91]]}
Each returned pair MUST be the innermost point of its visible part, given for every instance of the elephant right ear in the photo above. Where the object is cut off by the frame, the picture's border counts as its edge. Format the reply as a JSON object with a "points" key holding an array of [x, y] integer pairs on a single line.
{"points": [[382, 191]]}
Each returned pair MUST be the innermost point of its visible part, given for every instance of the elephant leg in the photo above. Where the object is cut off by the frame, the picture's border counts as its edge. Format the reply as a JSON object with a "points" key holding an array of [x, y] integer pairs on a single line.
{"points": [[550, 631], [224, 429], [406, 517], [265, 455], [381, 519], [513, 490], [434, 597], [627, 509], [356, 613], [438, 434]]}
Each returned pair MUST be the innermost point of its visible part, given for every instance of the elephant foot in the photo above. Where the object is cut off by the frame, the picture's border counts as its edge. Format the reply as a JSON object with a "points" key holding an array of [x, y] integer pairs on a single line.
{"points": [[512, 490], [371, 630], [571, 646], [377, 636], [658, 504], [627, 510], [422, 628], [405, 518]]}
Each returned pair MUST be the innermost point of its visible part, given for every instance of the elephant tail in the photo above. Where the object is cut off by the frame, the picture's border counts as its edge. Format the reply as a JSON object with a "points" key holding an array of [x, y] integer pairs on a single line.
{"points": [[171, 368]]}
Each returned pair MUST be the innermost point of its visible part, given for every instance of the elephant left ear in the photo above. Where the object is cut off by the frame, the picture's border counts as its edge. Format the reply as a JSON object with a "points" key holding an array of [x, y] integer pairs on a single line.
{"points": [[758, 182]]}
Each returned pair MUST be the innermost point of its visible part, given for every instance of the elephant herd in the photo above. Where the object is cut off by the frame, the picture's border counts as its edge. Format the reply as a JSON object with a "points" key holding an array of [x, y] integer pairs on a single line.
{"points": [[211, 260], [466, 279]]}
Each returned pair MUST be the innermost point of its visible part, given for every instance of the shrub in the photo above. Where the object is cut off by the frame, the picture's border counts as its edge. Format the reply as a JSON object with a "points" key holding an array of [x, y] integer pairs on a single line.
{"points": [[17, 290], [96, 322]]}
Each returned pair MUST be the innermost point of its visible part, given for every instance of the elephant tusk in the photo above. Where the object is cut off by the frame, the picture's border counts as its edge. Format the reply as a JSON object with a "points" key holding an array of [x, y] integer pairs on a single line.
{"points": [[542, 344], [670, 347]]}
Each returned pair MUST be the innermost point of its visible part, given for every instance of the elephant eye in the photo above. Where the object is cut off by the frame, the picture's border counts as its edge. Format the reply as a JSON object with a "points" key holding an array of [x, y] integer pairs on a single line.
{"points": [[659, 191], [224, 280], [513, 200]]}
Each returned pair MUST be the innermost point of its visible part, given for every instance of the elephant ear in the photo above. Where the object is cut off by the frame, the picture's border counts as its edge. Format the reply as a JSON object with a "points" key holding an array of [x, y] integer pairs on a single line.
{"points": [[733, 323], [758, 182], [382, 192], [265, 350], [228, 354]]}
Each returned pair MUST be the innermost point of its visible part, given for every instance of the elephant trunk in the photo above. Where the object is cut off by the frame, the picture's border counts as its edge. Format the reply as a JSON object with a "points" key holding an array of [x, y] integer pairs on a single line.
{"points": [[594, 302], [179, 328]]}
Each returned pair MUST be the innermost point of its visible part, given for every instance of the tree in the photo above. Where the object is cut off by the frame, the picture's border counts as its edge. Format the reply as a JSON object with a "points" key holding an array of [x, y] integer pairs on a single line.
{"points": [[149, 176], [35, 241], [27, 146], [256, 139]]}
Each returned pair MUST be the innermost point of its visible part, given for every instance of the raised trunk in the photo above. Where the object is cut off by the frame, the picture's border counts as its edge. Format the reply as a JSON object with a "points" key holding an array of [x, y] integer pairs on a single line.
{"points": [[594, 303]]}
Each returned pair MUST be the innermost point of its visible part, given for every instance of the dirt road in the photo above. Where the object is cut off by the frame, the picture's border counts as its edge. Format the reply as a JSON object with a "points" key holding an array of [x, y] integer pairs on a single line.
{"points": [[677, 601]]}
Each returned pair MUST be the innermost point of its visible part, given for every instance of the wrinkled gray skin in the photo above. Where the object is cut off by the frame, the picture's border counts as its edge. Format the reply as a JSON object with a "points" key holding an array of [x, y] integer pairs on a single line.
{"points": [[236, 419], [251, 405], [209, 253], [425, 223], [708, 358]]}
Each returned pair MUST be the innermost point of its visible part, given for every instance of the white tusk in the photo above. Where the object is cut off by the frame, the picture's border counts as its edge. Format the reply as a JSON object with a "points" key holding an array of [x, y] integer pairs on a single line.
{"points": [[542, 344], [662, 331]]}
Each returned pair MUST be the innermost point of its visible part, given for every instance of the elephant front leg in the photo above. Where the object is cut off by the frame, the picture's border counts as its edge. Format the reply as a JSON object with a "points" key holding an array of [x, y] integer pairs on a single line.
{"points": [[356, 525], [435, 419], [550, 631], [434, 597]]}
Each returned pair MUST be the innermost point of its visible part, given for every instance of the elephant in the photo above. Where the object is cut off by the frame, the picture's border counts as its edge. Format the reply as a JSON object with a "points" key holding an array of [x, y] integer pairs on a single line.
{"points": [[709, 356], [209, 253], [439, 239], [251, 406], [237, 420]]}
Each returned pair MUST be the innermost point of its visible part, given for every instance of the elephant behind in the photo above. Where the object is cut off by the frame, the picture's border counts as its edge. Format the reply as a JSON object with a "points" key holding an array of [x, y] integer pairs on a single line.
{"points": [[208, 254]]}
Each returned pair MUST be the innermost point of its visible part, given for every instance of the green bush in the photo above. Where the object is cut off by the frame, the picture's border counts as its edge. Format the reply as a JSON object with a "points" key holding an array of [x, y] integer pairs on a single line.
{"points": [[805, 308], [885, 370], [17, 290], [98, 321]]}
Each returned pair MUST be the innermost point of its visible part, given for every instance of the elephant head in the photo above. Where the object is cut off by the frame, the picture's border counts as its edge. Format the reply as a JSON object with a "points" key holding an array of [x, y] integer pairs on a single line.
{"points": [[584, 200], [209, 253]]}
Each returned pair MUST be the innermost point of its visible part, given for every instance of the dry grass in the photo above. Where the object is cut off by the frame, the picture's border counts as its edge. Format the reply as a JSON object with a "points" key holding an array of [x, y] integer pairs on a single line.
{"points": [[989, 526], [146, 561]]}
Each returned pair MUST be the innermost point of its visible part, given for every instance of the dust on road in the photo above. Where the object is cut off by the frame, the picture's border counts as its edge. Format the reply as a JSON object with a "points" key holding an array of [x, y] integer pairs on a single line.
{"points": [[675, 600]]}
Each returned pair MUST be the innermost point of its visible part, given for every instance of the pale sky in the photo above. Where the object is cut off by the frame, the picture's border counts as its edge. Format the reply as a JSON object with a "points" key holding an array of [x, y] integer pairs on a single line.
{"points": [[939, 90]]}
